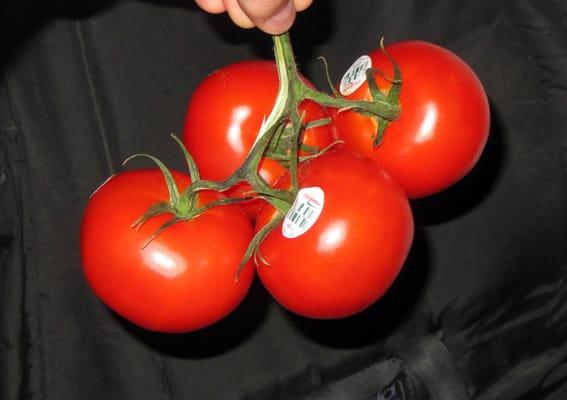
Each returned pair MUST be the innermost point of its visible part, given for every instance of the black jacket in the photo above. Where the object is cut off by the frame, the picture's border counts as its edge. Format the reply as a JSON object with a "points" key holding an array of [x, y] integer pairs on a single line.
{"points": [[480, 309]]}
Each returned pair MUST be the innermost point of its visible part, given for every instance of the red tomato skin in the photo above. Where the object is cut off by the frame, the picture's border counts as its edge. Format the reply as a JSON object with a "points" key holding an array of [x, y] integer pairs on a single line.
{"points": [[184, 280], [354, 251], [444, 122], [225, 114]]}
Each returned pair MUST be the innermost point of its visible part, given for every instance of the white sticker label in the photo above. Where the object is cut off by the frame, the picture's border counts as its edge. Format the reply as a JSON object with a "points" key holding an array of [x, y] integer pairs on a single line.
{"points": [[304, 212], [355, 75]]}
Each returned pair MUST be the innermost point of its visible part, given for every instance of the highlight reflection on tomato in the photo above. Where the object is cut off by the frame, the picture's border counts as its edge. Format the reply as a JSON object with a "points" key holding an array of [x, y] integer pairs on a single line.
{"points": [[444, 122], [184, 279]]}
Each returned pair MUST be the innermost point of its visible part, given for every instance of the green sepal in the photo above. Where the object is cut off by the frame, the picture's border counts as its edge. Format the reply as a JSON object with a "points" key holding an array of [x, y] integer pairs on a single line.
{"points": [[162, 228], [170, 182], [191, 165], [382, 125], [308, 149], [321, 152], [280, 147], [393, 94], [280, 141], [335, 92], [372, 86], [317, 123], [225, 201], [153, 211], [257, 241]]}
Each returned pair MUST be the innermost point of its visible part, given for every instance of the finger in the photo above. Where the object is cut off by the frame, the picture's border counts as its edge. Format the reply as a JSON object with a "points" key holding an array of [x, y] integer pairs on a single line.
{"points": [[301, 5], [211, 6], [238, 16], [273, 17], [262, 9], [279, 22]]}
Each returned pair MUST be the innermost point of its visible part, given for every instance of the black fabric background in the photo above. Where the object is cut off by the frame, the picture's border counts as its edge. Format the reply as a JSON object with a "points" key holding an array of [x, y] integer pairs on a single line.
{"points": [[480, 309]]}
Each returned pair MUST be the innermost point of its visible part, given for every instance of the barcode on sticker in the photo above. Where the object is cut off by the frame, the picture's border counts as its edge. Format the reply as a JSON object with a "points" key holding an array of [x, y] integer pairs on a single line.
{"points": [[355, 76], [304, 212]]}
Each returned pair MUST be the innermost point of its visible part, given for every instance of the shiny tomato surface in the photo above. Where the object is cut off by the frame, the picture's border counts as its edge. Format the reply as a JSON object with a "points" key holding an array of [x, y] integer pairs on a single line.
{"points": [[444, 122], [353, 251], [225, 114], [184, 279]]}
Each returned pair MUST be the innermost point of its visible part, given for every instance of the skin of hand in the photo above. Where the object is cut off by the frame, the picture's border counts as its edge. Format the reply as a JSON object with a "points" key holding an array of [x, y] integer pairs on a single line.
{"points": [[271, 16]]}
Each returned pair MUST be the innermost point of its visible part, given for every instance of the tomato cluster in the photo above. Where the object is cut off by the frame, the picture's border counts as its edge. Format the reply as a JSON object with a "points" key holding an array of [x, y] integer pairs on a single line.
{"points": [[323, 216]]}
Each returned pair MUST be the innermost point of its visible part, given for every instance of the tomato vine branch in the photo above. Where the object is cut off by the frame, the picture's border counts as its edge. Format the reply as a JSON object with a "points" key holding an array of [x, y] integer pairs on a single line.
{"points": [[279, 138]]}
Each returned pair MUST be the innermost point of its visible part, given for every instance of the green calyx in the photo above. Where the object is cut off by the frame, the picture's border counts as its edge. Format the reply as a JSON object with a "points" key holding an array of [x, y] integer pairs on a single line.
{"points": [[392, 97], [181, 206]]}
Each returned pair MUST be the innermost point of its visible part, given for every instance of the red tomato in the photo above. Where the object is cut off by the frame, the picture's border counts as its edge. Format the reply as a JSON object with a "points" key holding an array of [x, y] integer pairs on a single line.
{"points": [[444, 122], [224, 117], [353, 251], [184, 279]]}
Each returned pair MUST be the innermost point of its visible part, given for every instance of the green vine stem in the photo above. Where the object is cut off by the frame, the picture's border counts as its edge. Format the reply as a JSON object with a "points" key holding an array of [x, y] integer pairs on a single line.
{"points": [[292, 91], [284, 123]]}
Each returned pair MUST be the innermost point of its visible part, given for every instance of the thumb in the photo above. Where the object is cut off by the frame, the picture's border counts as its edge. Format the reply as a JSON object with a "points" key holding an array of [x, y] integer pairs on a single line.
{"points": [[271, 16]]}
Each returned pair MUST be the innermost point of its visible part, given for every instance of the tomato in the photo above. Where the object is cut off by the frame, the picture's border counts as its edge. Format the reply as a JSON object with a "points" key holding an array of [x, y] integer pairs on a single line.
{"points": [[225, 114], [444, 122], [184, 279], [353, 251]]}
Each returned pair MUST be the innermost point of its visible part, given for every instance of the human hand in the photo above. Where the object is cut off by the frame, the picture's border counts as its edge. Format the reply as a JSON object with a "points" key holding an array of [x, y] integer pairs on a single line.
{"points": [[271, 16]]}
